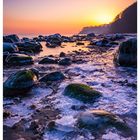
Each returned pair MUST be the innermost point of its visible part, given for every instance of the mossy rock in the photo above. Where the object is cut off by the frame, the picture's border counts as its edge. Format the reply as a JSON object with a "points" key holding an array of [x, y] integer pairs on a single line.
{"points": [[81, 92], [20, 82], [100, 120], [19, 59]]}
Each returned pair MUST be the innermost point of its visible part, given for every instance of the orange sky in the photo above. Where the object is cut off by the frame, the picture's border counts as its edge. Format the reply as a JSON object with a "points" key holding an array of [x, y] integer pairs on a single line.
{"points": [[58, 16]]}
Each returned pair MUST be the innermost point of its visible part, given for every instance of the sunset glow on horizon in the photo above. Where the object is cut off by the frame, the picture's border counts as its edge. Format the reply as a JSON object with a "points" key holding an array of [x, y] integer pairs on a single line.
{"points": [[58, 16]]}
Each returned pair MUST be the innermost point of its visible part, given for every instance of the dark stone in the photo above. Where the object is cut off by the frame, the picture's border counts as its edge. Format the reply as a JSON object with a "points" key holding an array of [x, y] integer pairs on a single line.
{"points": [[62, 54], [65, 61], [126, 55], [91, 35], [30, 46], [9, 47], [13, 38], [80, 43], [48, 60], [54, 76]]}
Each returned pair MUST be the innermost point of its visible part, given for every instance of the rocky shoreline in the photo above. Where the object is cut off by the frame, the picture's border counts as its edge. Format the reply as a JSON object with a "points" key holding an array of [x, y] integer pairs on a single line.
{"points": [[50, 92]]}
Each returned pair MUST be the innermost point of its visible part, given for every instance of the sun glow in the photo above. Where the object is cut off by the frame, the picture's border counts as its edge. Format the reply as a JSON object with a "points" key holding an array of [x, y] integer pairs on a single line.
{"points": [[103, 18]]}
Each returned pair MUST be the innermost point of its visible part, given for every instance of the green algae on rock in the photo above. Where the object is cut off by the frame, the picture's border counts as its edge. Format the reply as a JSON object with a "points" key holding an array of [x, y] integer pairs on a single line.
{"points": [[81, 92], [20, 82]]}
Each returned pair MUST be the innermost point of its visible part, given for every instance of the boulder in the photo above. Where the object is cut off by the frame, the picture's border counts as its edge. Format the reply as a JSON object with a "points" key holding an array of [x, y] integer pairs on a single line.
{"points": [[62, 54], [29, 46], [48, 60], [14, 38], [80, 43], [18, 59], [10, 47], [91, 35], [20, 82], [126, 55], [65, 61], [54, 39], [54, 76], [81, 92], [100, 119]]}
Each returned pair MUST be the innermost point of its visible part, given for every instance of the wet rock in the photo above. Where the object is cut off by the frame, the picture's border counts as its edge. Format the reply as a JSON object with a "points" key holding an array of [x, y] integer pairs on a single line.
{"points": [[54, 76], [116, 37], [7, 40], [102, 43], [126, 55], [10, 47], [65, 61], [78, 107], [54, 39], [6, 114], [80, 43], [29, 46], [20, 82], [48, 60], [18, 59], [13, 38], [51, 125], [91, 35], [81, 92], [62, 54], [25, 39], [100, 119], [49, 45]]}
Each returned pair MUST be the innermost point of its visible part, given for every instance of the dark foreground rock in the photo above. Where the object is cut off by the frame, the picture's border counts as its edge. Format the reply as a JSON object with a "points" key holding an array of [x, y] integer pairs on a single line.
{"points": [[20, 82], [81, 92], [127, 53], [54, 76]]}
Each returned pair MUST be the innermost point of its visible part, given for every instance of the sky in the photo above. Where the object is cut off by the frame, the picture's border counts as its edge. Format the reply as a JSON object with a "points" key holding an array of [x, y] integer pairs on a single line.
{"points": [[58, 16]]}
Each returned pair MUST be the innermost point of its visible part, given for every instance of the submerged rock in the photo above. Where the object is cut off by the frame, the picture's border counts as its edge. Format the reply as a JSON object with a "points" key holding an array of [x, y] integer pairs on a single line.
{"points": [[81, 92], [100, 119], [54, 76], [18, 59], [20, 82], [62, 54], [10, 47], [127, 53], [48, 60], [65, 61]]}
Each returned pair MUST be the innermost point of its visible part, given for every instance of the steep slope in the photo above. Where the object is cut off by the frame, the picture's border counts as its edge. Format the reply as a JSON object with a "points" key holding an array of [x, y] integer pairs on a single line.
{"points": [[125, 22]]}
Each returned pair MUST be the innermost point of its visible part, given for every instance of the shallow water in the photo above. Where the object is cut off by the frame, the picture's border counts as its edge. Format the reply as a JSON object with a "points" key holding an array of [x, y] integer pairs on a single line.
{"points": [[115, 83]]}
